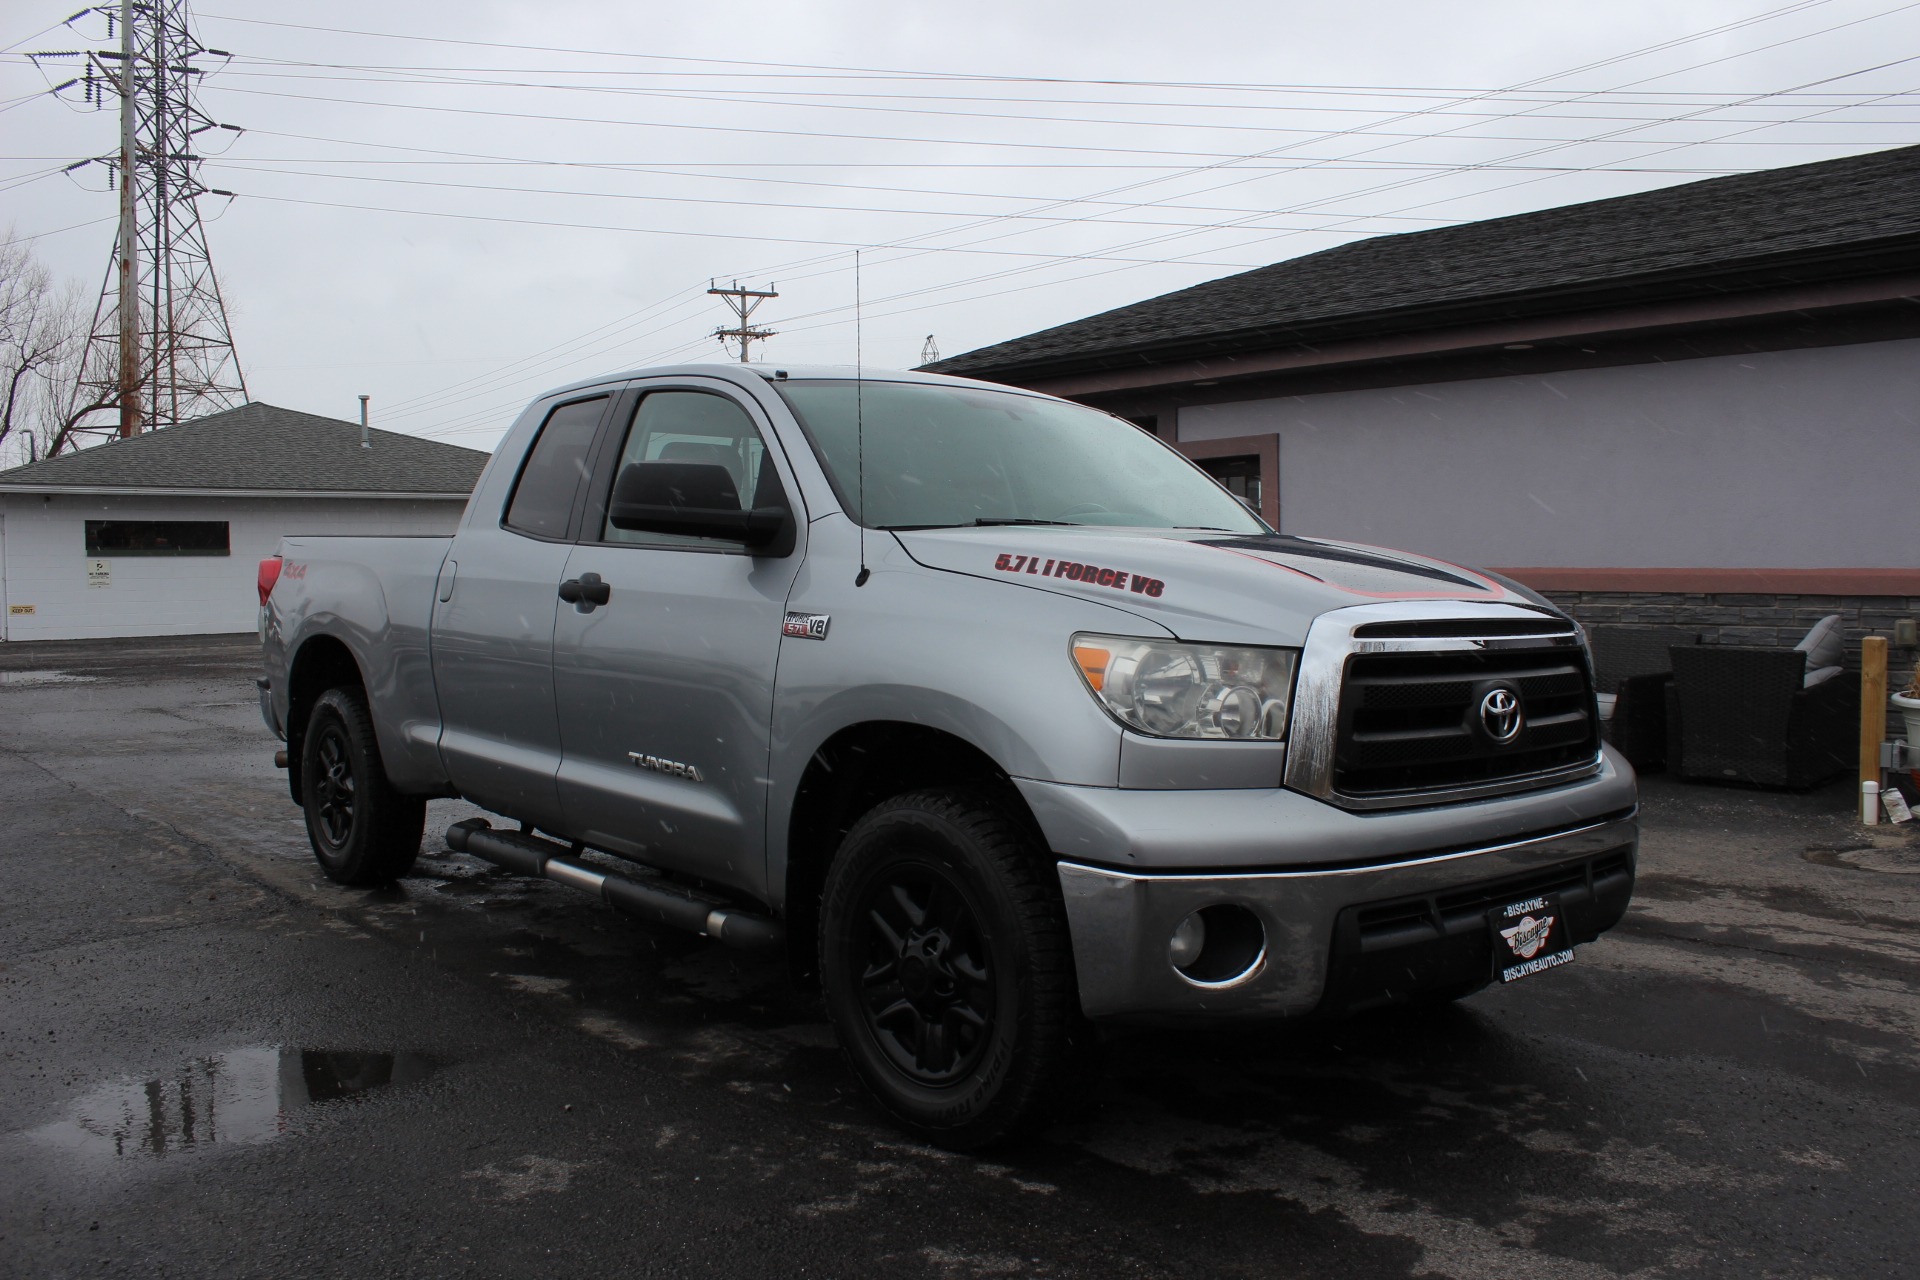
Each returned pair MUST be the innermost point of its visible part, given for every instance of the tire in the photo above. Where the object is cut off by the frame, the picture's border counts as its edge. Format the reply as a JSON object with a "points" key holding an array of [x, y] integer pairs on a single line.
{"points": [[362, 831], [947, 968]]}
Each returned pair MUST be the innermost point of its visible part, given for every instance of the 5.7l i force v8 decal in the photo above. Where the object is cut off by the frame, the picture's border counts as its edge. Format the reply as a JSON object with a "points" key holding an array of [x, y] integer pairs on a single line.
{"points": [[1075, 571]]}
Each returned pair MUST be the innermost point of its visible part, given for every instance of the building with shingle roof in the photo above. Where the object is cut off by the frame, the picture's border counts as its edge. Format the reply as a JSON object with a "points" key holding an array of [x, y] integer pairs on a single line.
{"points": [[161, 534], [1698, 405]]}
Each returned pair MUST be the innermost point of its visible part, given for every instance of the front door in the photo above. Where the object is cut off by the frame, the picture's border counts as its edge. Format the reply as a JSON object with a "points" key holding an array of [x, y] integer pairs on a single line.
{"points": [[493, 627], [665, 692]]}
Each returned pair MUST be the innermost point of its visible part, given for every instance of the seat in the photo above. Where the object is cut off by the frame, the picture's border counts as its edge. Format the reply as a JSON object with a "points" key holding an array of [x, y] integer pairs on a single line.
{"points": [[1632, 665], [1746, 714]]}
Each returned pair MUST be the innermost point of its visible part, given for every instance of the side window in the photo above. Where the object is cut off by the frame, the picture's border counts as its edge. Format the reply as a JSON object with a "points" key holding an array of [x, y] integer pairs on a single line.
{"points": [[542, 500], [701, 428]]}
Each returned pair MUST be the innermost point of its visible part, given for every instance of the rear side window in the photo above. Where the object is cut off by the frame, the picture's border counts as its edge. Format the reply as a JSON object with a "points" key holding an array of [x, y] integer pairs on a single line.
{"points": [[542, 501]]}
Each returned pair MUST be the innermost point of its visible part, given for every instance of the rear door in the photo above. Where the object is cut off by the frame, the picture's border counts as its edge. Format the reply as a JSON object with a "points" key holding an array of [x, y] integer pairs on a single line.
{"points": [[493, 623], [665, 692]]}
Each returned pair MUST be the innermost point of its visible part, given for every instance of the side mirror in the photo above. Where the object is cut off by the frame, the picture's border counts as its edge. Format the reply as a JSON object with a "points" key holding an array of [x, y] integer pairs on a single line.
{"points": [[697, 499]]}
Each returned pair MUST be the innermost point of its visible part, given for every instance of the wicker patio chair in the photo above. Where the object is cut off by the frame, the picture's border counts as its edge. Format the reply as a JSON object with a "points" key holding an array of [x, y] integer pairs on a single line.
{"points": [[1746, 716], [1634, 665]]}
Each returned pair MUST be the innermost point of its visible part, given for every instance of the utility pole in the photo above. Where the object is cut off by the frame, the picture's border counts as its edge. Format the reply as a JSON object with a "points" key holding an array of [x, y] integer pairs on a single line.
{"points": [[743, 302], [160, 350]]}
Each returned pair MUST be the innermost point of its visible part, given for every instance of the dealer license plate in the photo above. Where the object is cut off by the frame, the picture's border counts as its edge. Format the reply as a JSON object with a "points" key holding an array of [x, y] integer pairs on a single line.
{"points": [[1529, 936]]}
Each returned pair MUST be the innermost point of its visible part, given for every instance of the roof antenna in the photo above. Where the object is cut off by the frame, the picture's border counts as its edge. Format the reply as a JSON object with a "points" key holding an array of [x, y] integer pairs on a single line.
{"points": [[859, 427]]}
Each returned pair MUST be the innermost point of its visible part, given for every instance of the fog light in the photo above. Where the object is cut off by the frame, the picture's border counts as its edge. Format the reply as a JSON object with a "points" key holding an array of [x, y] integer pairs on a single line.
{"points": [[1188, 940], [1218, 946]]}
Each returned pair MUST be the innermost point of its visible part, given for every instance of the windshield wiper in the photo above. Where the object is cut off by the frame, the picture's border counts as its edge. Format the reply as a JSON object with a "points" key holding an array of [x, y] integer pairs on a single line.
{"points": [[984, 521], [997, 520]]}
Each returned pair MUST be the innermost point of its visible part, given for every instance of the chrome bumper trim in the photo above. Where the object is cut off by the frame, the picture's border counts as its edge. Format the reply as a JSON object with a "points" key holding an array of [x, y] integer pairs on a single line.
{"points": [[1120, 922]]}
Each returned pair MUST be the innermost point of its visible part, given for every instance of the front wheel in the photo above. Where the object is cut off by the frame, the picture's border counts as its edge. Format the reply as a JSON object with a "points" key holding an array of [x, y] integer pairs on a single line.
{"points": [[947, 967], [361, 829]]}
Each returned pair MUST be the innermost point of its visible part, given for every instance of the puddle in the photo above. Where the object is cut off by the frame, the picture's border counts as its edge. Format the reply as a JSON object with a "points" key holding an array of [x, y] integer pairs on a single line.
{"points": [[238, 1098], [43, 677]]}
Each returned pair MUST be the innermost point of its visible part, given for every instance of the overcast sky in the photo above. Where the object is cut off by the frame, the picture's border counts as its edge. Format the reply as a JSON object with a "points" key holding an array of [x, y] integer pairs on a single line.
{"points": [[1004, 166]]}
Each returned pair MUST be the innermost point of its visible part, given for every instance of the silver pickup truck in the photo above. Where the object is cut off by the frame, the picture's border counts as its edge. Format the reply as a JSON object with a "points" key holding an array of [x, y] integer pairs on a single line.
{"points": [[997, 714]]}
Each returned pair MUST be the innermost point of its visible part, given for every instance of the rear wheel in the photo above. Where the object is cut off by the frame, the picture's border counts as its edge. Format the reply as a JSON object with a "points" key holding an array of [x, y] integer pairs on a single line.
{"points": [[947, 967], [363, 831]]}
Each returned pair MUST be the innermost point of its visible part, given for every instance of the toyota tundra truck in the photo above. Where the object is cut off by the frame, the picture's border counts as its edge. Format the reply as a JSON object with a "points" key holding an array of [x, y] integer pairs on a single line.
{"points": [[994, 712]]}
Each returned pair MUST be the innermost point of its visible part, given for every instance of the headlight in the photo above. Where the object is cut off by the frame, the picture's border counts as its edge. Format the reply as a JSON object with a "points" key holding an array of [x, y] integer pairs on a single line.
{"points": [[1173, 690]]}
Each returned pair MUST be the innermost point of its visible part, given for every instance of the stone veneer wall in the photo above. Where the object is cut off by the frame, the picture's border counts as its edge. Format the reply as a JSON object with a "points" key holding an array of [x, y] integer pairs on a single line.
{"points": [[1756, 619]]}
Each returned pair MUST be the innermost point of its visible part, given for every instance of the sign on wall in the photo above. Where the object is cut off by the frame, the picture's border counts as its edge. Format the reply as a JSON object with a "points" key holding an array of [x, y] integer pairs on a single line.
{"points": [[99, 573], [20, 611]]}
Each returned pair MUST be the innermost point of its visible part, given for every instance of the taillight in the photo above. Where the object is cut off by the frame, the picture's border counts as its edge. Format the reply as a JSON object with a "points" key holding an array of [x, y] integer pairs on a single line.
{"points": [[269, 574]]}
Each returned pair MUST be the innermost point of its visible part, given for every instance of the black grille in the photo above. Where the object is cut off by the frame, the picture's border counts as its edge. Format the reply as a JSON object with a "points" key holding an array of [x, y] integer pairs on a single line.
{"points": [[1410, 722]]}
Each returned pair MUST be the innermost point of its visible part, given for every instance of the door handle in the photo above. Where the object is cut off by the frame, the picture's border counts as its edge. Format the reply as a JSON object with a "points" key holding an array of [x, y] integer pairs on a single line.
{"points": [[586, 591]]}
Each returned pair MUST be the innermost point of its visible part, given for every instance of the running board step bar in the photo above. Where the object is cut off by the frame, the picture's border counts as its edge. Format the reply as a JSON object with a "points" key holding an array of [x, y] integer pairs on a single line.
{"points": [[530, 855]]}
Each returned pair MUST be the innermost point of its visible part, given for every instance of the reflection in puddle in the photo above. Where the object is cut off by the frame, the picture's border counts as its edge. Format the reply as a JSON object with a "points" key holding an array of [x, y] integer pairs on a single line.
{"points": [[43, 677], [238, 1098]]}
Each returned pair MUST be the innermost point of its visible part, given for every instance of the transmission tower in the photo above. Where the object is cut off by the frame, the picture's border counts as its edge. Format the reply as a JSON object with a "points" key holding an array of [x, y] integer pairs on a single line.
{"points": [[160, 351], [743, 302], [929, 351]]}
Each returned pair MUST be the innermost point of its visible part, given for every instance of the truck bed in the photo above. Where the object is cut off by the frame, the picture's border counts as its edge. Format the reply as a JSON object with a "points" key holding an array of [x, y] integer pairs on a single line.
{"points": [[377, 595]]}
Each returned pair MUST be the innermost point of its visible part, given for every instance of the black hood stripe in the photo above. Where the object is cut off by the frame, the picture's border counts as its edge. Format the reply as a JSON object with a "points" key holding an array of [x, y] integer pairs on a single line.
{"points": [[1288, 545]]}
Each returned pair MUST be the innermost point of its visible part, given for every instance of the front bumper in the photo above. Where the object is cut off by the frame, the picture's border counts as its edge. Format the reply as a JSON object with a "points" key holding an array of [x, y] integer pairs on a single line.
{"points": [[1337, 938]]}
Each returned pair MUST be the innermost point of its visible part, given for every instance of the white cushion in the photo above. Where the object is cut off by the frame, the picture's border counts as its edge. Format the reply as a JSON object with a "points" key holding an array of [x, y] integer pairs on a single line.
{"points": [[1824, 644], [1819, 674], [1606, 701]]}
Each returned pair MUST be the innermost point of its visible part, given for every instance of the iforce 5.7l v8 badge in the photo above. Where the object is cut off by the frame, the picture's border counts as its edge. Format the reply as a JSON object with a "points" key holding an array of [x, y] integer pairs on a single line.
{"points": [[805, 626]]}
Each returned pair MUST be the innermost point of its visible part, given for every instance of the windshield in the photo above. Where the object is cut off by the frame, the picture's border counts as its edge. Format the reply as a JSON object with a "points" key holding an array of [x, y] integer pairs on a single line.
{"points": [[938, 456]]}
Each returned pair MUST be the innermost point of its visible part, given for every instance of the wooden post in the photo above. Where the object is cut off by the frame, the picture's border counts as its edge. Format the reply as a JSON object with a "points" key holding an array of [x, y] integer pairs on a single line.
{"points": [[1873, 705]]}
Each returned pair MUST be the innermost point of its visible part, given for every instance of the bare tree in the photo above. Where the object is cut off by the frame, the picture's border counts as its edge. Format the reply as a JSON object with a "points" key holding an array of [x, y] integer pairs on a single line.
{"points": [[43, 339]]}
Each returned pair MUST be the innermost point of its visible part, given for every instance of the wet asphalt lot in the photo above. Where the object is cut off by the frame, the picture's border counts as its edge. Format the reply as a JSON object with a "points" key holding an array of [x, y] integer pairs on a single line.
{"points": [[214, 1063]]}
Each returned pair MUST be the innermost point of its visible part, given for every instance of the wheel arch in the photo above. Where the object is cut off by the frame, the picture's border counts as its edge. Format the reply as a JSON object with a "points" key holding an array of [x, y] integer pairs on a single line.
{"points": [[856, 768], [321, 663]]}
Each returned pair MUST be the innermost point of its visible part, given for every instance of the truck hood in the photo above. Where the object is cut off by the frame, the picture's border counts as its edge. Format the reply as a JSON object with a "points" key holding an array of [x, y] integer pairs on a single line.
{"points": [[1203, 585]]}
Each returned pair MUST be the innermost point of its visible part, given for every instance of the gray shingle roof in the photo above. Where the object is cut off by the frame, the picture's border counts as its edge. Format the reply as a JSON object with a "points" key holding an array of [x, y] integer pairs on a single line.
{"points": [[1818, 221], [262, 447]]}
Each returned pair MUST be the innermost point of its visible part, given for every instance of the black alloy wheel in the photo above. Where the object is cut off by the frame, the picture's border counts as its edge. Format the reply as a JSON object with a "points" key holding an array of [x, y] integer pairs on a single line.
{"points": [[947, 968], [927, 989], [363, 832], [333, 789]]}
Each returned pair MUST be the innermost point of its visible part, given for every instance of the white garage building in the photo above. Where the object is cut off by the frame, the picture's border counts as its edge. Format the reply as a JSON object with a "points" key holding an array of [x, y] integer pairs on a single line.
{"points": [[162, 534]]}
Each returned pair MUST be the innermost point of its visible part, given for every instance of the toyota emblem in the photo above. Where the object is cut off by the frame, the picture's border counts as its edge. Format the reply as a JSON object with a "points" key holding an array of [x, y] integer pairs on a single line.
{"points": [[1500, 715]]}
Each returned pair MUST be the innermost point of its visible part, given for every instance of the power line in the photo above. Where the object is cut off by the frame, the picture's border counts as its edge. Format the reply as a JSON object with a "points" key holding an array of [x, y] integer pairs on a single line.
{"points": [[1256, 127], [495, 188], [417, 74], [627, 55], [1242, 165], [703, 235], [752, 130], [1137, 244], [786, 100]]}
